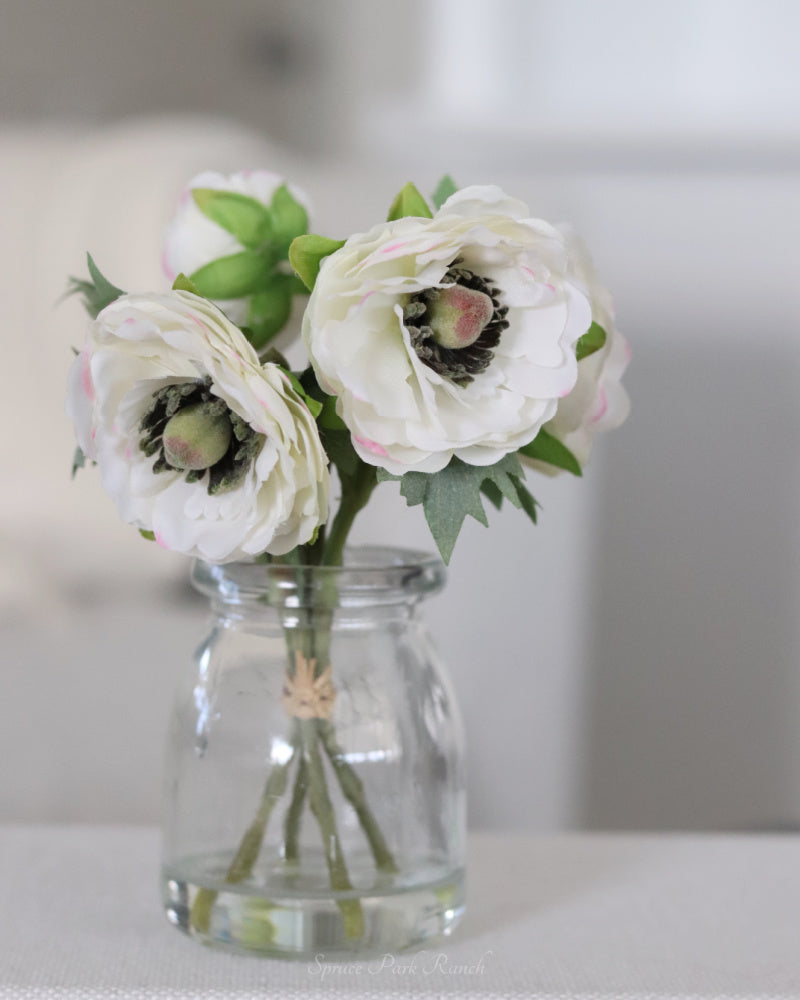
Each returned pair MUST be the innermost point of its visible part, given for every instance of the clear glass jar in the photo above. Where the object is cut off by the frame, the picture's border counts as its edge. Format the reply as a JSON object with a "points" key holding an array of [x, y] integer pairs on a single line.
{"points": [[315, 770]]}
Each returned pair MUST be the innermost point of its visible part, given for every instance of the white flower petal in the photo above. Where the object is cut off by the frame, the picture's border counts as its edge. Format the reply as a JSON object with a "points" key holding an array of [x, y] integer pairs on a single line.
{"points": [[402, 414], [138, 345]]}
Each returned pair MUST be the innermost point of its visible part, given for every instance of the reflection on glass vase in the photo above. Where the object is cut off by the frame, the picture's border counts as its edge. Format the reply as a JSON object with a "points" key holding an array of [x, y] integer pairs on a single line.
{"points": [[315, 770]]}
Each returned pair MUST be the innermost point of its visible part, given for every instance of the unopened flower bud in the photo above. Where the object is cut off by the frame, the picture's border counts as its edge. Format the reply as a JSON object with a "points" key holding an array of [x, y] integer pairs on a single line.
{"points": [[458, 316], [196, 437]]}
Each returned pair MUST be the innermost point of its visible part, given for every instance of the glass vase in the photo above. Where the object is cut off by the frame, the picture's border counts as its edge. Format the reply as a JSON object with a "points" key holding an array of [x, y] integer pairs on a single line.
{"points": [[315, 799]]}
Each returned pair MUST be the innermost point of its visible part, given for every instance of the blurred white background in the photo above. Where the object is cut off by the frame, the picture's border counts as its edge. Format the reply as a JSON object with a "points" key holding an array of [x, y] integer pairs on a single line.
{"points": [[633, 662]]}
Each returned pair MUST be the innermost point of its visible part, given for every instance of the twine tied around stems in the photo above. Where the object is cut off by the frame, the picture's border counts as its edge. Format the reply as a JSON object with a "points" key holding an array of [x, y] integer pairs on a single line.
{"points": [[305, 696]]}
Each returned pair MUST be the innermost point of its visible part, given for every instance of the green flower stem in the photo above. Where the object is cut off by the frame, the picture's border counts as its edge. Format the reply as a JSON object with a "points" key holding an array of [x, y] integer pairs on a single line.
{"points": [[353, 789], [291, 829], [356, 491], [249, 848], [322, 808]]}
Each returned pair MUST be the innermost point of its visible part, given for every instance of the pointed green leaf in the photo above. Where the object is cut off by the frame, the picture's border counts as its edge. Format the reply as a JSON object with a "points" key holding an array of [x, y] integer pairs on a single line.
{"points": [[452, 494], [270, 309], [240, 215], [492, 493], [409, 202], [183, 284], [314, 405], [444, 189], [307, 253], [78, 460], [527, 500], [330, 418], [414, 487], [449, 496], [231, 277], [104, 287], [97, 293], [273, 356], [149, 535], [289, 219], [546, 448], [591, 341], [339, 448]]}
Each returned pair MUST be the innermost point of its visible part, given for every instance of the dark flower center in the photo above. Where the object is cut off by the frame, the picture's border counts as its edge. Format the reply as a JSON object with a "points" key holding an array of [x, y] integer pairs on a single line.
{"points": [[454, 329], [190, 430]]}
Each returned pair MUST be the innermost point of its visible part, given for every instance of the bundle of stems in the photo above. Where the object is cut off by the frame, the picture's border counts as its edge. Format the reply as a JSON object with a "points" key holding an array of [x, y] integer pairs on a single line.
{"points": [[311, 739]]}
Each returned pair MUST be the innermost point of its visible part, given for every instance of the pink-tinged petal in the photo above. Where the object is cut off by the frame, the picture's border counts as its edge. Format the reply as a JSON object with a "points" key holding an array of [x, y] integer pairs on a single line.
{"points": [[160, 540], [394, 246], [86, 376], [601, 406], [371, 446]]}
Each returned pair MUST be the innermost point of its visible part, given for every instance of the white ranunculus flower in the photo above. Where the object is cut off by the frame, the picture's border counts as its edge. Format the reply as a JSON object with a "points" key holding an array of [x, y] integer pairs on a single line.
{"points": [[450, 336], [192, 240], [195, 440], [598, 402]]}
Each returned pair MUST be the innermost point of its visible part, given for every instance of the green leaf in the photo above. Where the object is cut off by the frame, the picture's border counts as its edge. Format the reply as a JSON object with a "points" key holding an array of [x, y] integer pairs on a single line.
{"points": [[149, 535], [444, 189], [78, 460], [492, 493], [307, 253], [240, 215], [591, 341], [274, 357], [449, 496], [269, 309], [409, 202], [527, 501], [183, 284], [97, 293], [546, 448], [232, 277], [330, 418], [289, 219], [314, 405], [339, 448]]}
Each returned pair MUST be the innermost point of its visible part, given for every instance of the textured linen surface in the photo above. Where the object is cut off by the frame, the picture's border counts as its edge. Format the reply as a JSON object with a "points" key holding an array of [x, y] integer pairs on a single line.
{"points": [[564, 916]]}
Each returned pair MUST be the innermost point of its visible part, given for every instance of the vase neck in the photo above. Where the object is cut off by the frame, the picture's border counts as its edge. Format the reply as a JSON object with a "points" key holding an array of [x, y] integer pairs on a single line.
{"points": [[370, 576]]}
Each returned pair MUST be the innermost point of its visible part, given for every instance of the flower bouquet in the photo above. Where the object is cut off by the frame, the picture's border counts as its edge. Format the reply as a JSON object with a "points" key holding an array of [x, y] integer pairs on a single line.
{"points": [[316, 781]]}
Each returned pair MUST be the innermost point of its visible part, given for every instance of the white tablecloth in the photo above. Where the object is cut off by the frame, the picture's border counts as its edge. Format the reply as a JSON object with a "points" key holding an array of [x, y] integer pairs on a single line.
{"points": [[577, 916]]}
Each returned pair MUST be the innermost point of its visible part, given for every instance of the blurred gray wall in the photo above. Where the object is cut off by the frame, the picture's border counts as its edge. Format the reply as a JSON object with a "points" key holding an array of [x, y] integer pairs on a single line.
{"points": [[670, 137]]}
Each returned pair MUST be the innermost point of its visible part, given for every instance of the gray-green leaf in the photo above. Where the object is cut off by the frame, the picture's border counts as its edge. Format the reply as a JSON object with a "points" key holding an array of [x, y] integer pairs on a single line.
{"points": [[78, 460], [449, 496], [96, 293], [445, 188]]}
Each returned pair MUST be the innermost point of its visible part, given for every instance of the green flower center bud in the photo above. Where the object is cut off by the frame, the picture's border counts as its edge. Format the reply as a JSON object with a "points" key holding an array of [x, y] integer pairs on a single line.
{"points": [[196, 437], [459, 315]]}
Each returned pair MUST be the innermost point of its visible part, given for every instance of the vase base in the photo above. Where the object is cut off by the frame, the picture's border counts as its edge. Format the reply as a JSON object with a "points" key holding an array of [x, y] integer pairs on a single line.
{"points": [[329, 928]]}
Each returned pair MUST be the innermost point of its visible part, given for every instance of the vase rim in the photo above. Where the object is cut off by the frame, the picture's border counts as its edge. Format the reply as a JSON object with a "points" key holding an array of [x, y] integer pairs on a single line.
{"points": [[371, 574]]}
